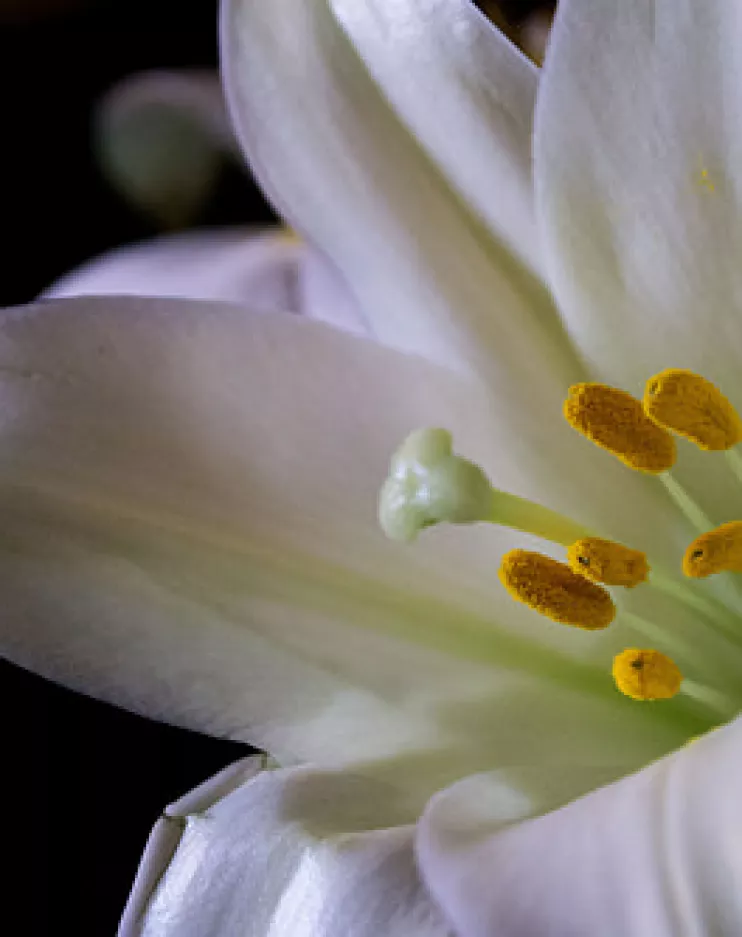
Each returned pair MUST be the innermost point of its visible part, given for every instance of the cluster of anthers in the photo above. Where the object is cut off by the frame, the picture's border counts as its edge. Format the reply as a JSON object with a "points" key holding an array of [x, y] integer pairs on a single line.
{"points": [[429, 484]]}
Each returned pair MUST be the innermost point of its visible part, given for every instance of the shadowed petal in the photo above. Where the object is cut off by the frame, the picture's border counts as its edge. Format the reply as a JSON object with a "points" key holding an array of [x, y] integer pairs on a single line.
{"points": [[268, 270]]}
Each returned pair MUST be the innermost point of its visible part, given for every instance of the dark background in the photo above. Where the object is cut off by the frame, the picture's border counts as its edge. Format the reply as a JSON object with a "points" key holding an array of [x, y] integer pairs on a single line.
{"points": [[84, 782]]}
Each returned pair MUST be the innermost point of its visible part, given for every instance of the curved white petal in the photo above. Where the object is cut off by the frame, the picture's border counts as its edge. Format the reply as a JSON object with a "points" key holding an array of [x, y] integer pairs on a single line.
{"points": [[291, 852], [167, 832], [188, 508], [484, 89], [267, 270], [657, 854], [340, 164], [161, 137], [639, 180]]}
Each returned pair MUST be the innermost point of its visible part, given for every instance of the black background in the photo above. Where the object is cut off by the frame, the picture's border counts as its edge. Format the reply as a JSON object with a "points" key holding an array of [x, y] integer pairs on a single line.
{"points": [[84, 782]]}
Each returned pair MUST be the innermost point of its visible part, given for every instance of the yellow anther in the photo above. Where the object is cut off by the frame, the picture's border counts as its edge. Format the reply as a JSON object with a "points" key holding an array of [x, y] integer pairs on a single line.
{"points": [[691, 406], [552, 589], [616, 421], [717, 551], [610, 563], [646, 674]]}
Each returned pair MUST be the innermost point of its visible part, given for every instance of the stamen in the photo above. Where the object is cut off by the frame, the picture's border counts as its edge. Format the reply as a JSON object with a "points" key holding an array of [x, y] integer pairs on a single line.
{"points": [[691, 406], [610, 563], [734, 460], [616, 421], [645, 674], [691, 509], [717, 551], [552, 589]]}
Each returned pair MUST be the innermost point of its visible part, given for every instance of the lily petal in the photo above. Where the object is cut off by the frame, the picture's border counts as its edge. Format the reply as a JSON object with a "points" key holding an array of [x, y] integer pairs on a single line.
{"points": [[637, 142], [345, 171], [298, 852], [268, 270], [484, 90], [188, 512], [655, 855], [161, 138]]}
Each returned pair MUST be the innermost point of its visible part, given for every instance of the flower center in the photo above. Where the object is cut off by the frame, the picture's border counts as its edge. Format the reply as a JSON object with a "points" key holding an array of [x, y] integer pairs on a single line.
{"points": [[429, 484]]}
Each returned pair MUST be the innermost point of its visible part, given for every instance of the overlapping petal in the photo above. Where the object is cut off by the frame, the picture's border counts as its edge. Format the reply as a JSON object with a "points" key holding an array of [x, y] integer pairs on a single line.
{"points": [[484, 91], [346, 171], [655, 854], [300, 852], [266, 270], [638, 183]]}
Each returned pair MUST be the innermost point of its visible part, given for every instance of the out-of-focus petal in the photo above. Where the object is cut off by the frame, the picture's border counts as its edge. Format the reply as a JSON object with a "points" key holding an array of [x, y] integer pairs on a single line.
{"points": [[268, 270], [161, 138], [484, 89], [341, 165]]}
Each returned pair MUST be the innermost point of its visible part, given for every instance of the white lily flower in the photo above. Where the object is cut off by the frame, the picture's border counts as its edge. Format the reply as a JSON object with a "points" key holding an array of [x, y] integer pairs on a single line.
{"points": [[189, 490]]}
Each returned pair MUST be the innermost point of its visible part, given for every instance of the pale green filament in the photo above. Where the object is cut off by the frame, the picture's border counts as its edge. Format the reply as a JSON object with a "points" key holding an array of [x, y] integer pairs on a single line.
{"points": [[714, 610], [734, 460], [531, 518], [656, 633], [695, 515], [718, 703]]}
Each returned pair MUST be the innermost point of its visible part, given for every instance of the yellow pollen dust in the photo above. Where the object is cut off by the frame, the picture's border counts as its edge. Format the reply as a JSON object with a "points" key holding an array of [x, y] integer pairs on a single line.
{"points": [[716, 551], [616, 421], [691, 406], [552, 589], [706, 181], [610, 563], [646, 674]]}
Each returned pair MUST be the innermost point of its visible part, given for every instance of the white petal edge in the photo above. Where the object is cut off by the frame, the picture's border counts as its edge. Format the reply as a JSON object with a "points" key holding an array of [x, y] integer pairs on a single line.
{"points": [[167, 832], [657, 854], [484, 89], [299, 852], [268, 269], [188, 507], [344, 170]]}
